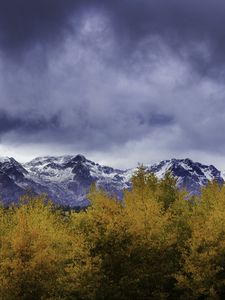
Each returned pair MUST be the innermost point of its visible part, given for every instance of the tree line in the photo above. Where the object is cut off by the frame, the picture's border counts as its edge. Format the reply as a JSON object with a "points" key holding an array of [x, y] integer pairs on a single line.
{"points": [[156, 244]]}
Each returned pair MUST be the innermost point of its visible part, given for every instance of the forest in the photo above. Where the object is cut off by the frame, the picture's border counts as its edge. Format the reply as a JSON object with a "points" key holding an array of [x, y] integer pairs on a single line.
{"points": [[159, 243]]}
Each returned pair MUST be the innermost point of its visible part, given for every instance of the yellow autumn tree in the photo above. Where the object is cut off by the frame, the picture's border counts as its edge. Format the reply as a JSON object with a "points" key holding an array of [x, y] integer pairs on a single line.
{"points": [[131, 245], [154, 235], [203, 269], [103, 225], [158, 243], [34, 251]]}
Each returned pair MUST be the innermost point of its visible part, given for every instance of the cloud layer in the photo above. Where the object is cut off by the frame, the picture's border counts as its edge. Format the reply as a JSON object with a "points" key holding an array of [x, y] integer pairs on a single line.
{"points": [[120, 81]]}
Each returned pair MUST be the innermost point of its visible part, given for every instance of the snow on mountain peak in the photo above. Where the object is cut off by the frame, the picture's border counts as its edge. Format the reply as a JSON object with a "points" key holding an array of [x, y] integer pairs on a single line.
{"points": [[5, 159], [67, 179]]}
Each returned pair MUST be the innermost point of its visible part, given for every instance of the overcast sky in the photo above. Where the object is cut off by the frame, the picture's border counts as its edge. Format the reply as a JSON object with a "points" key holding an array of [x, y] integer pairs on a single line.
{"points": [[120, 81]]}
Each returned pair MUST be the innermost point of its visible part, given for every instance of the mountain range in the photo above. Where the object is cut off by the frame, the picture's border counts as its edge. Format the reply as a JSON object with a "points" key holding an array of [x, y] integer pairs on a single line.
{"points": [[67, 179]]}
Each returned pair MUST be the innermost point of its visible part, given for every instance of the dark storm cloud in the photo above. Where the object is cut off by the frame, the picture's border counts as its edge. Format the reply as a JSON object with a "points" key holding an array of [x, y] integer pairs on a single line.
{"points": [[89, 132], [23, 23], [96, 75], [27, 126], [180, 24]]}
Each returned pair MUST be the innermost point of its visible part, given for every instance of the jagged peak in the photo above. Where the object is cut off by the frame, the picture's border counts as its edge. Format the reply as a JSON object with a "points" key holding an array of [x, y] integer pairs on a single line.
{"points": [[9, 161], [187, 161], [79, 158], [4, 159], [66, 177], [48, 158]]}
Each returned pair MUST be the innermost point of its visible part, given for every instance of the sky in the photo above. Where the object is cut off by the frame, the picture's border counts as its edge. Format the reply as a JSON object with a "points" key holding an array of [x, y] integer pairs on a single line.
{"points": [[120, 81]]}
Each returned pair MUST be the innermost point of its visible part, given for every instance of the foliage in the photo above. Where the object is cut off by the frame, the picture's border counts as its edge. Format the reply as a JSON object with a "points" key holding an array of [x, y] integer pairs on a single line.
{"points": [[156, 244]]}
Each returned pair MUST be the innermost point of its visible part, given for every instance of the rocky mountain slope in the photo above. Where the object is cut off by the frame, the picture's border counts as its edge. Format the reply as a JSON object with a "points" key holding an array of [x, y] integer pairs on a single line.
{"points": [[190, 175], [67, 179]]}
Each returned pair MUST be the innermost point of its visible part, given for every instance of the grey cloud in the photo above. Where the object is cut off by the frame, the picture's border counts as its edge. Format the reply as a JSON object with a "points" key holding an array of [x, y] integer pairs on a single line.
{"points": [[180, 24], [23, 22], [26, 125], [103, 75], [87, 103]]}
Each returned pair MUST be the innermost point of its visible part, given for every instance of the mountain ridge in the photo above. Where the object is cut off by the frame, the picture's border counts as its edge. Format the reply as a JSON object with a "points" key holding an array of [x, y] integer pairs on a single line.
{"points": [[67, 179]]}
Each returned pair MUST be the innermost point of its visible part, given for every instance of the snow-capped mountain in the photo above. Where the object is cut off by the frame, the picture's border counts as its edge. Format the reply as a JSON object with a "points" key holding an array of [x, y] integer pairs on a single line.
{"points": [[67, 179], [190, 175]]}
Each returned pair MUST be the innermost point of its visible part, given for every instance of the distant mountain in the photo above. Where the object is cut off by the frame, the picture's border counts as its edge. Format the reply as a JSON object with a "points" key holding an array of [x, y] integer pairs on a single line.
{"points": [[67, 179], [190, 175]]}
